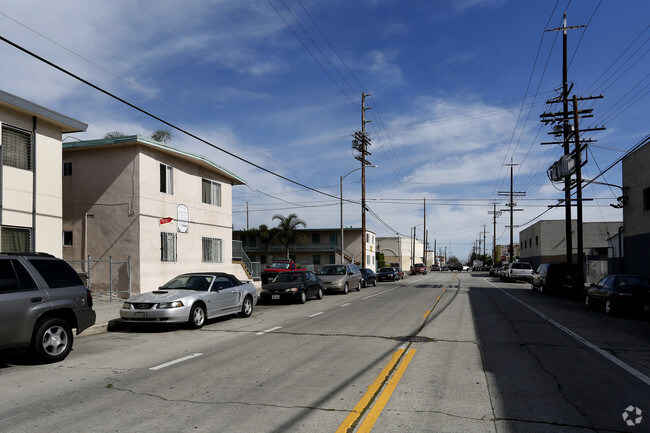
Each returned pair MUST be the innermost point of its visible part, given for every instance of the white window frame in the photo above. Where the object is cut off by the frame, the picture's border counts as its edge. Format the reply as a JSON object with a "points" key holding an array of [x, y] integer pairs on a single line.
{"points": [[166, 179], [212, 250], [168, 247], [211, 192]]}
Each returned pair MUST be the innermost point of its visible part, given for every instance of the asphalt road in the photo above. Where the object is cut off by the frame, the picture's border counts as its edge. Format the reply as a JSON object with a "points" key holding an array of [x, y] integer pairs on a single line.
{"points": [[440, 352]]}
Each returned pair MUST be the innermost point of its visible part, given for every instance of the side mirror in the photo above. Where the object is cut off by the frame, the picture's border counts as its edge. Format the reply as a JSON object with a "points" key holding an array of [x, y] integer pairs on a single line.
{"points": [[592, 285]]}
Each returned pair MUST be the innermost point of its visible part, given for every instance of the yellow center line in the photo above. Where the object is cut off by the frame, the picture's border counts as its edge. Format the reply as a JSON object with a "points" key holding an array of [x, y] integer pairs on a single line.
{"points": [[426, 314], [373, 414], [372, 389]]}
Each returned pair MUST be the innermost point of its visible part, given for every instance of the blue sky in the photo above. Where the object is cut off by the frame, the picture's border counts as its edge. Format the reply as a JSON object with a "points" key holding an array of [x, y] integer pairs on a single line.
{"points": [[457, 89]]}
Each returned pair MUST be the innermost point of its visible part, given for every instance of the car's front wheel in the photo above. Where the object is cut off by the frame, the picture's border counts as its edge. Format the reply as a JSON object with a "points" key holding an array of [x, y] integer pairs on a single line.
{"points": [[53, 340], [303, 297], [197, 316], [359, 287], [247, 307], [319, 295], [587, 301], [374, 283], [609, 307]]}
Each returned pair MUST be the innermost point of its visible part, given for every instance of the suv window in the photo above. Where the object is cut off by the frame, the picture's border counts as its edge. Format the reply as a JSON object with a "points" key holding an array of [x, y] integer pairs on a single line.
{"points": [[14, 277], [521, 266], [56, 273]]}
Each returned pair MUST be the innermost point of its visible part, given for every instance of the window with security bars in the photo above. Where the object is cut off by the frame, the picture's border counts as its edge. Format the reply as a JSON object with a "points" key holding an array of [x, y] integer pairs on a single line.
{"points": [[16, 148], [211, 192], [15, 239], [167, 247], [166, 179], [212, 250]]}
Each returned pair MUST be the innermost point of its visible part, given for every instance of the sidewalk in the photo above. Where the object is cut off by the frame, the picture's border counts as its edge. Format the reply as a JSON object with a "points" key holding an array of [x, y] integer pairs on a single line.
{"points": [[107, 310]]}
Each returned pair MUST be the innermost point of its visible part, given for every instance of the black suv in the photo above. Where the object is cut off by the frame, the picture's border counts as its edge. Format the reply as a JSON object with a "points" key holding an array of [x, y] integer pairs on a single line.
{"points": [[558, 277], [41, 300]]}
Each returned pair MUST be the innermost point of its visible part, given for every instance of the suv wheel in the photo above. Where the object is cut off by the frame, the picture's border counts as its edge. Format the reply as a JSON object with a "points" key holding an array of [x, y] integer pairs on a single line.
{"points": [[53, 340]]}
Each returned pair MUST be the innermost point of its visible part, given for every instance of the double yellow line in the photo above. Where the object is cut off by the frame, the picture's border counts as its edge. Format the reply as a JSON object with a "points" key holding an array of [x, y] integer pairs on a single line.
{"points": [[399, 357]]}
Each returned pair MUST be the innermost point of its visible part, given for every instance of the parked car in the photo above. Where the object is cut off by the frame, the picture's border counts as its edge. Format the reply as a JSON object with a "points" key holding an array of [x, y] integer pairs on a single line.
{"points": [[294, 286], [192, 298], [518, 271], [341, 278], [617, 293], [558, 277], [387, 274], [400, 272], [494, 270], [41, 300], [418, 268], [369, 277], [435, 267]]}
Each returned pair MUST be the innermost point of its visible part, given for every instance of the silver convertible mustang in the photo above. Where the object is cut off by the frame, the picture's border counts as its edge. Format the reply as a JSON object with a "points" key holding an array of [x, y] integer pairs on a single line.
{"points": [[192, 298]]}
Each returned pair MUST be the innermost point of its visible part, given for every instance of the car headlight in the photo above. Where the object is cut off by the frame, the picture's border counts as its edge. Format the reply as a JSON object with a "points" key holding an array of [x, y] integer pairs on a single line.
{"points": [[126, 306], [173, 304], [293, 289]]}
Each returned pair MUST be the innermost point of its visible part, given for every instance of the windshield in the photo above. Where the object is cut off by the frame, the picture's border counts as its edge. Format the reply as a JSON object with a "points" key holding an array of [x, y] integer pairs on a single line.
{"points": [[331, 270], [280, 266], [190, 282], [287, 277], [387, 270]]}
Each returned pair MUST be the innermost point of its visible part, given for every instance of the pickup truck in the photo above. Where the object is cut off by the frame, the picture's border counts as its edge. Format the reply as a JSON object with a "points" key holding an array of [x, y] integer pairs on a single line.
{"points": [[279, 266]]}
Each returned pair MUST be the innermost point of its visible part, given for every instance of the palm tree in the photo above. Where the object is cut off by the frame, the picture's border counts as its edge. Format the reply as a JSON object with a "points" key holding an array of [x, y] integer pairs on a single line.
{"points": [[287, 230], [163, 135], [266, 236]]}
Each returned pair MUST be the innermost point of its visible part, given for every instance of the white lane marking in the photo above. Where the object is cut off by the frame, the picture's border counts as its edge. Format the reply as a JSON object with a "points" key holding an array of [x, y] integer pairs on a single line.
{"points": [[380, 293], [345, 305], [176, 361], [316, 314], [269, 330], [634, 372]]}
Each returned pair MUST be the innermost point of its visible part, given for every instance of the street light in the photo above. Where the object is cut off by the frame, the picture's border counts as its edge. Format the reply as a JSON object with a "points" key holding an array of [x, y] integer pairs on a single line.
{"points": [[341, 205]]}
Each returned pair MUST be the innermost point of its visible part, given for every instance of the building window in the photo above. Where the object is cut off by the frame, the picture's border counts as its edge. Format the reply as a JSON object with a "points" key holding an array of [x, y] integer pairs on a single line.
{"points": [[67, 169], [167, 247], [536, 240], [211, 192], [315, 238], [332, 259], [15, 240], [646, 199], [67, 239], [16, 148], [316, 259], [166, 179], [212, 250]]}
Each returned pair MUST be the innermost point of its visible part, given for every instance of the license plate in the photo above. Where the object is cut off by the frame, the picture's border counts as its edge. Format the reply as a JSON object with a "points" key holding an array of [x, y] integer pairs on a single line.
{"points": [[140, 315], [275, 296]]}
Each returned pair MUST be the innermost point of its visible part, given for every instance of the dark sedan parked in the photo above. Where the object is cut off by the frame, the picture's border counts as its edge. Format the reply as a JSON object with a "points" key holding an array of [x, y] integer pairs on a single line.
{"points": [[369, 277], [294, 286], [387, 274], [620, 292]]}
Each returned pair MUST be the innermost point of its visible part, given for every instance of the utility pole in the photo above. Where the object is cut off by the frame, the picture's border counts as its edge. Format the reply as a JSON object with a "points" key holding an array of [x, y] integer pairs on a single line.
{"points": [[424, 234], [246, 215], [495, 214], [360, 144], [511, 208]]}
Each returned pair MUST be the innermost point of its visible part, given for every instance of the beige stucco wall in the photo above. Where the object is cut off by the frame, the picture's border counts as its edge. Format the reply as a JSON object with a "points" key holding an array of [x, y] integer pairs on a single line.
{"points": [[18, 185]]}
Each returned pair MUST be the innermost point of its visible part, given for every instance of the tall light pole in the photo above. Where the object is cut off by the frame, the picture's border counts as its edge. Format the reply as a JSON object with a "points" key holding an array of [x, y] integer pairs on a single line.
{"points": [[341, 205]]}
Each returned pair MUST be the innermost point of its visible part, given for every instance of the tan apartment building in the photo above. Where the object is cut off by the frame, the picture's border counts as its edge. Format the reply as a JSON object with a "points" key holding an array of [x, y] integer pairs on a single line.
{"points": [[147, 211], [30, 175], [318, 247]]}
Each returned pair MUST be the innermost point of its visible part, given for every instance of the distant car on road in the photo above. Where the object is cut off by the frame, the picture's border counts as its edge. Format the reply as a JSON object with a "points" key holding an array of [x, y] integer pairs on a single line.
{"points": [[41, 300], [617, 293], [294, 286], [387, 274], [341, 278], [369, 277], [192, 298], [435, 267], [418, 268]]}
